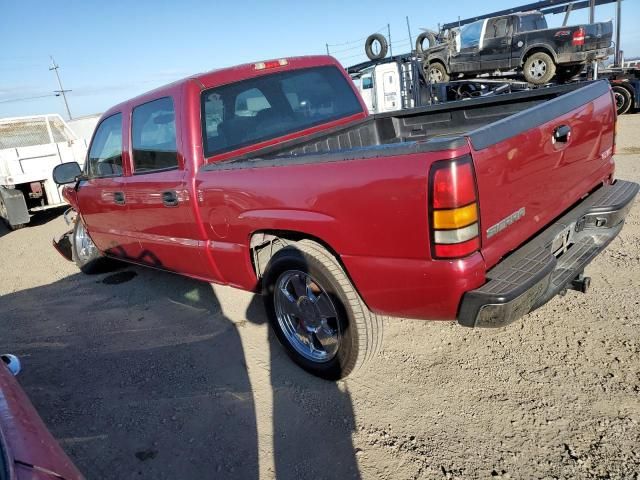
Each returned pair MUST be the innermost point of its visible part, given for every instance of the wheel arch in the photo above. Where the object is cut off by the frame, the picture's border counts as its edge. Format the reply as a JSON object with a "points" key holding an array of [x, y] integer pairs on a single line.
{"points": [[264, 244], [536, 48]]}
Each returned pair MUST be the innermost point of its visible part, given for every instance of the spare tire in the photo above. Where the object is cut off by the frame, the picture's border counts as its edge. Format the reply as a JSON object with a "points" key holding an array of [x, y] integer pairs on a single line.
{"points": [[430, 36], [368, 46]]}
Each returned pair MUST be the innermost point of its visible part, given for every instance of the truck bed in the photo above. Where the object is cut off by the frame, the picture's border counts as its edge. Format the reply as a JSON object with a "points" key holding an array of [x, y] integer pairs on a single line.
{"points": [[425, 129]]}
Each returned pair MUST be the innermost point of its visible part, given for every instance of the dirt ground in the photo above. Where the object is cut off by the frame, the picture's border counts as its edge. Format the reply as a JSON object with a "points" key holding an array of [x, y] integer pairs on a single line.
{"points": [[143, 374]]}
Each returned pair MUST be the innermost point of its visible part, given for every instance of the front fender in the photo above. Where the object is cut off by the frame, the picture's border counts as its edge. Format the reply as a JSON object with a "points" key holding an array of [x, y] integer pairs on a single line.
{"points": [[70, 194]]}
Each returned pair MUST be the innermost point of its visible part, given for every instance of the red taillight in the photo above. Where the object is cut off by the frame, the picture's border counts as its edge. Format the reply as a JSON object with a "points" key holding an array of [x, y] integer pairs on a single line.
{"points": [[578, 37], [453, 213], [453, 185]]}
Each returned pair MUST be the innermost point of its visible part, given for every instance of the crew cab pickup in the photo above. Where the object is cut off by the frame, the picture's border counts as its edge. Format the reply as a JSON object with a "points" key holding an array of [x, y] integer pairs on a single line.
{"points": [[272, 177], [520, 41]]}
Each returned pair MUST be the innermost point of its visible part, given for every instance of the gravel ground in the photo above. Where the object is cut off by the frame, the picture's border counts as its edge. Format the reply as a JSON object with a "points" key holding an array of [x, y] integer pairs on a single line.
{"points": [[143, 374]]}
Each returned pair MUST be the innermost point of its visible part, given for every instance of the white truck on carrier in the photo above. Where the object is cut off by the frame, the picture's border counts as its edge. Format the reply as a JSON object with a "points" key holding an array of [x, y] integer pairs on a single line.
{"points": [[29, 149]]}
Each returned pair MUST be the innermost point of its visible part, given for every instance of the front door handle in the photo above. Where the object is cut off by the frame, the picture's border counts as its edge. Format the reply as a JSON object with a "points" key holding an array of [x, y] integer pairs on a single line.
{"points": [[170, 198], [118, 198], [561, 134]]}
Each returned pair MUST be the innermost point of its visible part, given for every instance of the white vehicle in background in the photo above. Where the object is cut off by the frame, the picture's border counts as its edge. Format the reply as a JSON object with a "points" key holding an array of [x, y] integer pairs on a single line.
{"points": [[29, 149], [386, 85]]}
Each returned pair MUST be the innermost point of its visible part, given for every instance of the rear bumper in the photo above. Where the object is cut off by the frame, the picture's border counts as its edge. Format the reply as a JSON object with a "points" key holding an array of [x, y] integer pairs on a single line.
{"points": [[532, 275], [588, 56]]}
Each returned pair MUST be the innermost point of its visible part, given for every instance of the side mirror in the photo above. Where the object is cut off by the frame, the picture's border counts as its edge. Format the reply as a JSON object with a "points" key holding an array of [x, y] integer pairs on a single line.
{"points": [[66, 173]]}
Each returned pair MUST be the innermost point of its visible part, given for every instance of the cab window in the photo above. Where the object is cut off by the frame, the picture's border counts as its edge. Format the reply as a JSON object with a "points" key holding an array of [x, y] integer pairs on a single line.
{"points": [[153, 133], [470, 34], [497, 27], [532, 22], [105, 154]]}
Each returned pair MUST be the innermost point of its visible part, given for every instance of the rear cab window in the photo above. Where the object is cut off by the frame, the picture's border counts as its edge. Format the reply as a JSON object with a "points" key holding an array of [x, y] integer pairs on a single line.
{"points": [[105, 154], [497, 27], [153, 133], [273, 105], [534, 21]]}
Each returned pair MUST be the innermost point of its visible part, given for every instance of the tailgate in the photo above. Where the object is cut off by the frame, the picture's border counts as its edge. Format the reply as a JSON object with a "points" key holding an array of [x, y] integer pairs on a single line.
{"points": [[526, 178], [597, 35]]}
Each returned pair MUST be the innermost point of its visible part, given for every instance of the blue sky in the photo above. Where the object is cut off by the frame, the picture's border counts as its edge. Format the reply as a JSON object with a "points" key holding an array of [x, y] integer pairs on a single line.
{"points": [[112, 50]]}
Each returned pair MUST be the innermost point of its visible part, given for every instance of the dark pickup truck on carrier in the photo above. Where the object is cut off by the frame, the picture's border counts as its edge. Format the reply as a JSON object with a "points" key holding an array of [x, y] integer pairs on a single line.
{"points": [[272, 177], [519, 41]]}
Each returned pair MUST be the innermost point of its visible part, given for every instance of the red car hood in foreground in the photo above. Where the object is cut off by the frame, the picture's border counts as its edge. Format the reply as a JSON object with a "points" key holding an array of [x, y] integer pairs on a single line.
{"points": [[26, 446]]}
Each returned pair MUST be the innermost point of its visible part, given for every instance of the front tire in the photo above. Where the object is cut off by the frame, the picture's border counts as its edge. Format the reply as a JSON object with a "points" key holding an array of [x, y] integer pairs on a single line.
{"points": [[539, 68], [437, 73], [316, 312], [84, 252]]}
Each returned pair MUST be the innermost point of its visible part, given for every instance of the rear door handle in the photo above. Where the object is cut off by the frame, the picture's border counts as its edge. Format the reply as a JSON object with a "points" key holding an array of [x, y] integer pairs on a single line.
{"points": [[170, 198], [561, 134], [118, 198]]}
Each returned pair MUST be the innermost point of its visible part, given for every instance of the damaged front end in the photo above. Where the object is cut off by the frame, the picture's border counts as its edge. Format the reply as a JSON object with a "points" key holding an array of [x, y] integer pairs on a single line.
{"points": [[63, 244]]}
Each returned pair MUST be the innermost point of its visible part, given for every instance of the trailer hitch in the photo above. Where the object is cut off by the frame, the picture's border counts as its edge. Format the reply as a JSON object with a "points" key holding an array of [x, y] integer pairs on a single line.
{"points": [[580, 283]]}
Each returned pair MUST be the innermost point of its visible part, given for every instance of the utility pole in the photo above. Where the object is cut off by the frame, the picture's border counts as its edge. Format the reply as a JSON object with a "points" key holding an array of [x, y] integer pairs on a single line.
{"points": [[54, 66], [389, 36]]}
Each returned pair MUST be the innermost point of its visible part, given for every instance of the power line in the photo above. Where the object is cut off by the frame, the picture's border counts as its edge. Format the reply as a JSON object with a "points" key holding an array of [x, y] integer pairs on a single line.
{"points": [[10, 100], [351, 42], [62, 91]]}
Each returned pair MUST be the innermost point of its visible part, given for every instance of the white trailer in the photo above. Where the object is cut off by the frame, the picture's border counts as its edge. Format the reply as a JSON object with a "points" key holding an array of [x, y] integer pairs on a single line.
{"points": [[29, 149], [390, 84]]}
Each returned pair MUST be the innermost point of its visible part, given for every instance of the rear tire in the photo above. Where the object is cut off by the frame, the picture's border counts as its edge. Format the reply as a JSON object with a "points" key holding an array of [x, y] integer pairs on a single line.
{"points": [[539, 68], [84, 252], [623, 99], [316, 313]]}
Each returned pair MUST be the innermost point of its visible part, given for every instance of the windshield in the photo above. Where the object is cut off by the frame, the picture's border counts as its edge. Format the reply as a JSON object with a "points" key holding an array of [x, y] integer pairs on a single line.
{"points": [[273, 105]]}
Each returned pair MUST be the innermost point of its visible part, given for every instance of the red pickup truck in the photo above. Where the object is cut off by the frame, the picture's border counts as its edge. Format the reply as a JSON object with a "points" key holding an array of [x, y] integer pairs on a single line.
{"points": [[273, 177]]}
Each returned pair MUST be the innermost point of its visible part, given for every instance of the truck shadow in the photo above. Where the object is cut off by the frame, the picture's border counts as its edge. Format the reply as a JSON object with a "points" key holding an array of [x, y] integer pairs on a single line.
{"points": [[313, 419], [147, 378]]}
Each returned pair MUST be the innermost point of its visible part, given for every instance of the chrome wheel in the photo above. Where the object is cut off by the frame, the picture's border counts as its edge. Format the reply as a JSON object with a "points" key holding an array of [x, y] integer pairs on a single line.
{"points": [[538, 68], [84, 246], [307, 316]]}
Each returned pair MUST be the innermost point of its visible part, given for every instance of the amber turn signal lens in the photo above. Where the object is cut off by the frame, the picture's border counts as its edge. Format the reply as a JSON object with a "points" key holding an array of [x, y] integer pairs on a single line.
{"points": [[456, 217]]}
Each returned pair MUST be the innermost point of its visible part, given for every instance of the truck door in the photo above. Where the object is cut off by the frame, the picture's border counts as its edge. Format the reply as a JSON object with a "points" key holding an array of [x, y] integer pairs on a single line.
{"points": [[465, 57], [101, 196], [388, 88], [159, 201], [495, 44]]}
